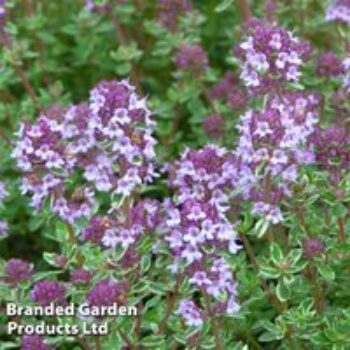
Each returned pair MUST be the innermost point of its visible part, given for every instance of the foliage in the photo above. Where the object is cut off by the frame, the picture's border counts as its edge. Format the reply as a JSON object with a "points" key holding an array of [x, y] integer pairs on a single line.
{"points": [[188, 159]]}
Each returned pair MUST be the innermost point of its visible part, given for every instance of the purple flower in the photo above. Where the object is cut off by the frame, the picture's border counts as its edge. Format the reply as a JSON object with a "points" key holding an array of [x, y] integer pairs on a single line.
{"points": [[96, 229], [227, 89], [237, 99], [107, 293], [270, 212], [197, 219], [60, 261], [332, 151], [196, 228], [47, 292], [270, 57], [224, 86], [130, 258], [273, 144], [282, 128], [329, 65], [192, 58], [339, 11], [33, 342], [120, 117], [200, 279], [141, 219], [190, 312], [110, 231], [80, 276], [217, 280], [17, 271], [214, 125], [106, 144], [169, 12], [313, 247], [79, 205], [271, 8]]}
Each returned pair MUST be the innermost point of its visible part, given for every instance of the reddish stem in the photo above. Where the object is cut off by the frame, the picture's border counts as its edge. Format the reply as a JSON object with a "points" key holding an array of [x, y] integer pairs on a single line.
{"points": [[216, 327], [341, 232], [244, 10], [270, 295], [170, 304], [73, 241], [5, 40]]}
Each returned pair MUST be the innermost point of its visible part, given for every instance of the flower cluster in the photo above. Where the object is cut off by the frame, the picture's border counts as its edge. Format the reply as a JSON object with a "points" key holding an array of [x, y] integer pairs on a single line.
{"points": [[171, 10], [339, 11], [313, 247], [217, 280], [107, 292], [332, 151], [227, 89], [96, 229], [196, 228], [125, 229], [80, 276], [33, 342], [46, 292], [271, 56], [202, 180], [60, 261], [190, 312], [329, 65], [17, 271], [272, 143], [107, 139], [224, 86], [271, 7], [214, 125], [142, 217], [192, 58]]}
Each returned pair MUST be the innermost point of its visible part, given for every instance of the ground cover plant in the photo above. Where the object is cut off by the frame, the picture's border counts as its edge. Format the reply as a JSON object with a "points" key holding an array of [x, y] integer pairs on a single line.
{"points": [[186, 160]]}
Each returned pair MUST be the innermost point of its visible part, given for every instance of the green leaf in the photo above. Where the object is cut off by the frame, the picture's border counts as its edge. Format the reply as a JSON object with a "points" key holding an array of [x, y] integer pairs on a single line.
{"points": [[300, 265], [159, 288], [326, 272], [269, 272], [246, 222], [267, 337], [50, 258], [276, 254], [282, 291], [224, 5], [260, 228], [46, 275], [145, 263], [339, 210], [153, 341], [294, 256], [123, 68], [9, 345], [126, 53]]}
